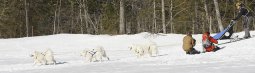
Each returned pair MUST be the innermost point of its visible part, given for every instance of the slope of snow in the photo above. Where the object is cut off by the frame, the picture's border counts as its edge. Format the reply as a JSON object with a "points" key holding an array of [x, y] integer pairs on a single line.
{"points": [[234, 57]]}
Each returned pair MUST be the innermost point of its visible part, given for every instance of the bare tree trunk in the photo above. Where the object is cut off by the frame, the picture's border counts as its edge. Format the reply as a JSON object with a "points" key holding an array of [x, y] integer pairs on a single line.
{"points": [[122, 20], [253, 23], [193, 25], [210, 24], [81, 24], [97, 25], [195, 19], [253, 18], [101, 25], [154, 17], [171, 16], [218, 15], [72, 23], [55, 18], [72, 19], [163, 16], [32, 31], [58, 28], [86, 16], [207, 16], [27, 23], [139, 26], [89, 22], [234, 15], [54, 25]]}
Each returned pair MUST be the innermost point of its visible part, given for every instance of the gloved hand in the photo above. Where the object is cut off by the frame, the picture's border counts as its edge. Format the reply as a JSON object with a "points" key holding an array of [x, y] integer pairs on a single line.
{"points": [[233, 21]]}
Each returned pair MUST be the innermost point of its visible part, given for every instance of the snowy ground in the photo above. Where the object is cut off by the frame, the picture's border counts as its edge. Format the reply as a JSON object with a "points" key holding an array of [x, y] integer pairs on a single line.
{"points": [[236, 57]]}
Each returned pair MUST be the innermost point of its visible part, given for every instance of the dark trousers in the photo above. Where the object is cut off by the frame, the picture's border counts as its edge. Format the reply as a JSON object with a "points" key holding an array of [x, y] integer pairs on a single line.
{"points": [[246, 23], [192, 51]]}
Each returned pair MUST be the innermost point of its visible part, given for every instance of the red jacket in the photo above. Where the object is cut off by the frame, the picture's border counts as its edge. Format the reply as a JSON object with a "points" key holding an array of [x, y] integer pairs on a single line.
{"points": [[211, 39]]}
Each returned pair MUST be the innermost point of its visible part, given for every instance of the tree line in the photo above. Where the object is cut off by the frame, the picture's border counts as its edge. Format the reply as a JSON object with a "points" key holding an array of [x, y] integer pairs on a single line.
{"points": [[25, 18]]}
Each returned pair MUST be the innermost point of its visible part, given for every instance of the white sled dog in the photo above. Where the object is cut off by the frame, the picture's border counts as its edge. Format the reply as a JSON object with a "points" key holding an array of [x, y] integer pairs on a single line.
{"points": [[96, 54], [45, 58], [38, 58], [48, 55], [142, 49], [88, 54]]}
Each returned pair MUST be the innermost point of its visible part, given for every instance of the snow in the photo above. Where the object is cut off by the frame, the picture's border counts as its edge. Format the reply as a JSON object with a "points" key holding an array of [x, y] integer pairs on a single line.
{"points": [[236, 57]]}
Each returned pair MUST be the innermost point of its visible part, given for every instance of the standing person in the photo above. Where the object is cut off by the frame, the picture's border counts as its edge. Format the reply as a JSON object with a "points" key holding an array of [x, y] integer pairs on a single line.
{"points": [[242, 11], [207, 42], [188, 44]]}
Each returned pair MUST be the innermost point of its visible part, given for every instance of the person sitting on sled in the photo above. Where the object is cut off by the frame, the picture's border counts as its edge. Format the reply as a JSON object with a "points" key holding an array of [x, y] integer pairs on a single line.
{"points": [[188, 43], [207, 42], [242, 11]]}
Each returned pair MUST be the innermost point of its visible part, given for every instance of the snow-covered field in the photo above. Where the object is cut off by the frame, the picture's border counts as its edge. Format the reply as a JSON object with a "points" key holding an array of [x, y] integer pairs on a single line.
{"points": [[236, 57]]}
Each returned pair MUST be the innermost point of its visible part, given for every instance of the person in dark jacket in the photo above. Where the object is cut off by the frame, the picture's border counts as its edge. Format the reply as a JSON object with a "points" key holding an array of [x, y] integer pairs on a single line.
{"points": [[242, 11], [188, 43]]}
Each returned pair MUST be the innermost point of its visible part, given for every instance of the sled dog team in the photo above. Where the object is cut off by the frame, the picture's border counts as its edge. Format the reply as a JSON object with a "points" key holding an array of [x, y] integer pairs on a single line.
{"points": [[95, 54]]}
